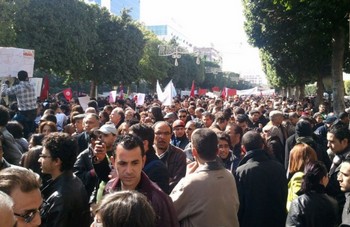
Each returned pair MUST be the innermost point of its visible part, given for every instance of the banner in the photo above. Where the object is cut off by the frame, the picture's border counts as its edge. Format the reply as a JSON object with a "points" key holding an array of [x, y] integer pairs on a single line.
{"points": [[37, 82], [13, 60], [140, 99], [45, 89], [202, 91], [84, 101]]}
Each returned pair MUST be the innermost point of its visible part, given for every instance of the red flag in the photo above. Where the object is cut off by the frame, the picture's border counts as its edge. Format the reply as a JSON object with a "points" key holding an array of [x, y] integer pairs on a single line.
{"points": [[231, 92], [192, 89], [45, 89], [68, 94], [216, 88], [202, 91], [224, 93]]}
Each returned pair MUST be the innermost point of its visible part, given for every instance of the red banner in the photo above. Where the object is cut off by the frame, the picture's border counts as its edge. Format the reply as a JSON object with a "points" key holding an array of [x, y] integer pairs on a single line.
{"points": [[202, 91], [45, 89]]}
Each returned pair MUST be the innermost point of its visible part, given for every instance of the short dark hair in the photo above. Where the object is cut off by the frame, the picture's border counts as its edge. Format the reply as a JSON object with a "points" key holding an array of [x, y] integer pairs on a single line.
{"points": [[130, 142], [211, 116], [22, 75], [145, 132], [4, 115], [126, 208], [252, 140], [162, 122], [205, 141], [94, 104], [15, 128], [62, 146], [182, 111], [36, 139], [313, 174], [224, 136], [340, 131]]}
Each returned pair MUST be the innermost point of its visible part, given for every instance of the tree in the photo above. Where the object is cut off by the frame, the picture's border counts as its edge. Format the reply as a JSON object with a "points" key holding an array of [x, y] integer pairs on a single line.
{"points": [[295, 37], [115, 55], [152, 66], [332, 16], [58, 32], [7, 32]]}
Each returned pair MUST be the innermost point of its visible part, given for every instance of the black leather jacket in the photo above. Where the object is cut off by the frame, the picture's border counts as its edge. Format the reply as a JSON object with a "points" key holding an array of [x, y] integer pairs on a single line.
{"points": [[314, 208], [65, 202], [83, 169]]}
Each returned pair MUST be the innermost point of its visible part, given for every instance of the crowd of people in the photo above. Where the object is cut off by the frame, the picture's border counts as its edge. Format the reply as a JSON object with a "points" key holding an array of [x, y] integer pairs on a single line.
{"points": [[243, 161]]}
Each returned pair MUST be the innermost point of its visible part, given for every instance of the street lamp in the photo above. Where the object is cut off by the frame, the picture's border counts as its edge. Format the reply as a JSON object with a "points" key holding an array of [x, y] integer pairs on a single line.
{"points": [[175, 52]]}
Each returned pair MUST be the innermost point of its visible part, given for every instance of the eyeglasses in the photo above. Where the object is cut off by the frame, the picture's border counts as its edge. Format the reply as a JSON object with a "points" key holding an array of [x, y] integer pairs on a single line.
{"points": [[28, 216], [220, 146], [162, 133], [182, 116], [44, 156]]}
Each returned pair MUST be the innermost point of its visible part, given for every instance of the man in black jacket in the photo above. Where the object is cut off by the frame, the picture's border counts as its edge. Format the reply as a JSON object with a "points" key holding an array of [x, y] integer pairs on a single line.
{"points": [[66, 200], [261, 184], [84, 166]]}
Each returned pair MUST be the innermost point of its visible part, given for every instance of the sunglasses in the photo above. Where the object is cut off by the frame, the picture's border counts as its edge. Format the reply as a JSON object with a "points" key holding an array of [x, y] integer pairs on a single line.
{"points": [[28, 216]]}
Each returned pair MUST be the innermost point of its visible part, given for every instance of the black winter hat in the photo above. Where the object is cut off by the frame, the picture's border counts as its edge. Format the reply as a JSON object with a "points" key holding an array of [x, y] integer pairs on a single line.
{"points": [[303, 129]]}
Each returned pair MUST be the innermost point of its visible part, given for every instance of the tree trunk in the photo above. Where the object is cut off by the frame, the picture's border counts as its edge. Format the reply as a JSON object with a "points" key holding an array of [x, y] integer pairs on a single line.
{"points": [[337, 70], [92, 89], [301, 91], [320, 90], [297, 92]]}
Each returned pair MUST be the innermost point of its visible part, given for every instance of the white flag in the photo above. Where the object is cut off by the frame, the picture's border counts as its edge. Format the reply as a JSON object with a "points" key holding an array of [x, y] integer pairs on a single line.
{"points": [[159, 92]]}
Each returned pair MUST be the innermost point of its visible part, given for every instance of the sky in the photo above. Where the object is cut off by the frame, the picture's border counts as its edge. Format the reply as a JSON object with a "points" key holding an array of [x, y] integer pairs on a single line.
{"points": [[208, 23]]}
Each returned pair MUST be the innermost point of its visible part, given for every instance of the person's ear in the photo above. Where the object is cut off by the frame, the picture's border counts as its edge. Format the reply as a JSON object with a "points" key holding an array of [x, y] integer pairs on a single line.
{"points": [[194, 152], [143, 161], [145, 144], [243, 149], [57, 162]]}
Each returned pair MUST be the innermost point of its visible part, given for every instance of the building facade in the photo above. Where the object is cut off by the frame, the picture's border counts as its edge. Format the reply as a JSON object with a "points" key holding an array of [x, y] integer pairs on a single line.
{"points": [[116, 6]]}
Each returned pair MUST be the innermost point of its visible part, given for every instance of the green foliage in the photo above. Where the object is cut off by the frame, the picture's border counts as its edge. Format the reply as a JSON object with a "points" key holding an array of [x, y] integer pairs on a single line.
{"points": [[83, 43], [7, 32], [296, 36], [57, 31]]}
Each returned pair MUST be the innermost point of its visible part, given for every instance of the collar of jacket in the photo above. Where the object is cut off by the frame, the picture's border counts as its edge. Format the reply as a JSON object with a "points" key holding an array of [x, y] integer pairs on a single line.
{"points": [[212, 165], [344, 153], [254, 155]]}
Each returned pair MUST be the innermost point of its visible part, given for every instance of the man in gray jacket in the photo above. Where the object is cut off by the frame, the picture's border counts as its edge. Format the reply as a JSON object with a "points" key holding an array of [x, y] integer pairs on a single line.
{"points": [[207, 195]]}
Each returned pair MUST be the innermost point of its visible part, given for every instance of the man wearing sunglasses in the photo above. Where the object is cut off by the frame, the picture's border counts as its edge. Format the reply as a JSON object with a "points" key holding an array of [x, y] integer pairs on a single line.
{"points": [[23, 186]]}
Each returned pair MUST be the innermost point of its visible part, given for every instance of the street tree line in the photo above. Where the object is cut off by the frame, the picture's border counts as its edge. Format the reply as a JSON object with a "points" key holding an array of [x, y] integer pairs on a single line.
{"points": [[80, 42], [301, 41]]}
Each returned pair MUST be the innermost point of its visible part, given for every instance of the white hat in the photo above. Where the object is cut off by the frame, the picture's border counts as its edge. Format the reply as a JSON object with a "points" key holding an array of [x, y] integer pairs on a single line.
{"points": [[108, 129]]}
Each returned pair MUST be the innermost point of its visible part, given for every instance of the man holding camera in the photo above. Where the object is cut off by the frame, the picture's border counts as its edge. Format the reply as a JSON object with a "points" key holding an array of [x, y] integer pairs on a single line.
{"points": [[26, 100]]}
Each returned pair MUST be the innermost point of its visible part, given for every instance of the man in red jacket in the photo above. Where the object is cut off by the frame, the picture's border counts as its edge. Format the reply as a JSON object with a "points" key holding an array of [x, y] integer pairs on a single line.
{"points": [[129, 161]]}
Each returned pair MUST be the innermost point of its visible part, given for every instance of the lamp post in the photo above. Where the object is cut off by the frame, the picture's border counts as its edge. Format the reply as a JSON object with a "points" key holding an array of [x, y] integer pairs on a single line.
{"points": [[175, 52]]}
